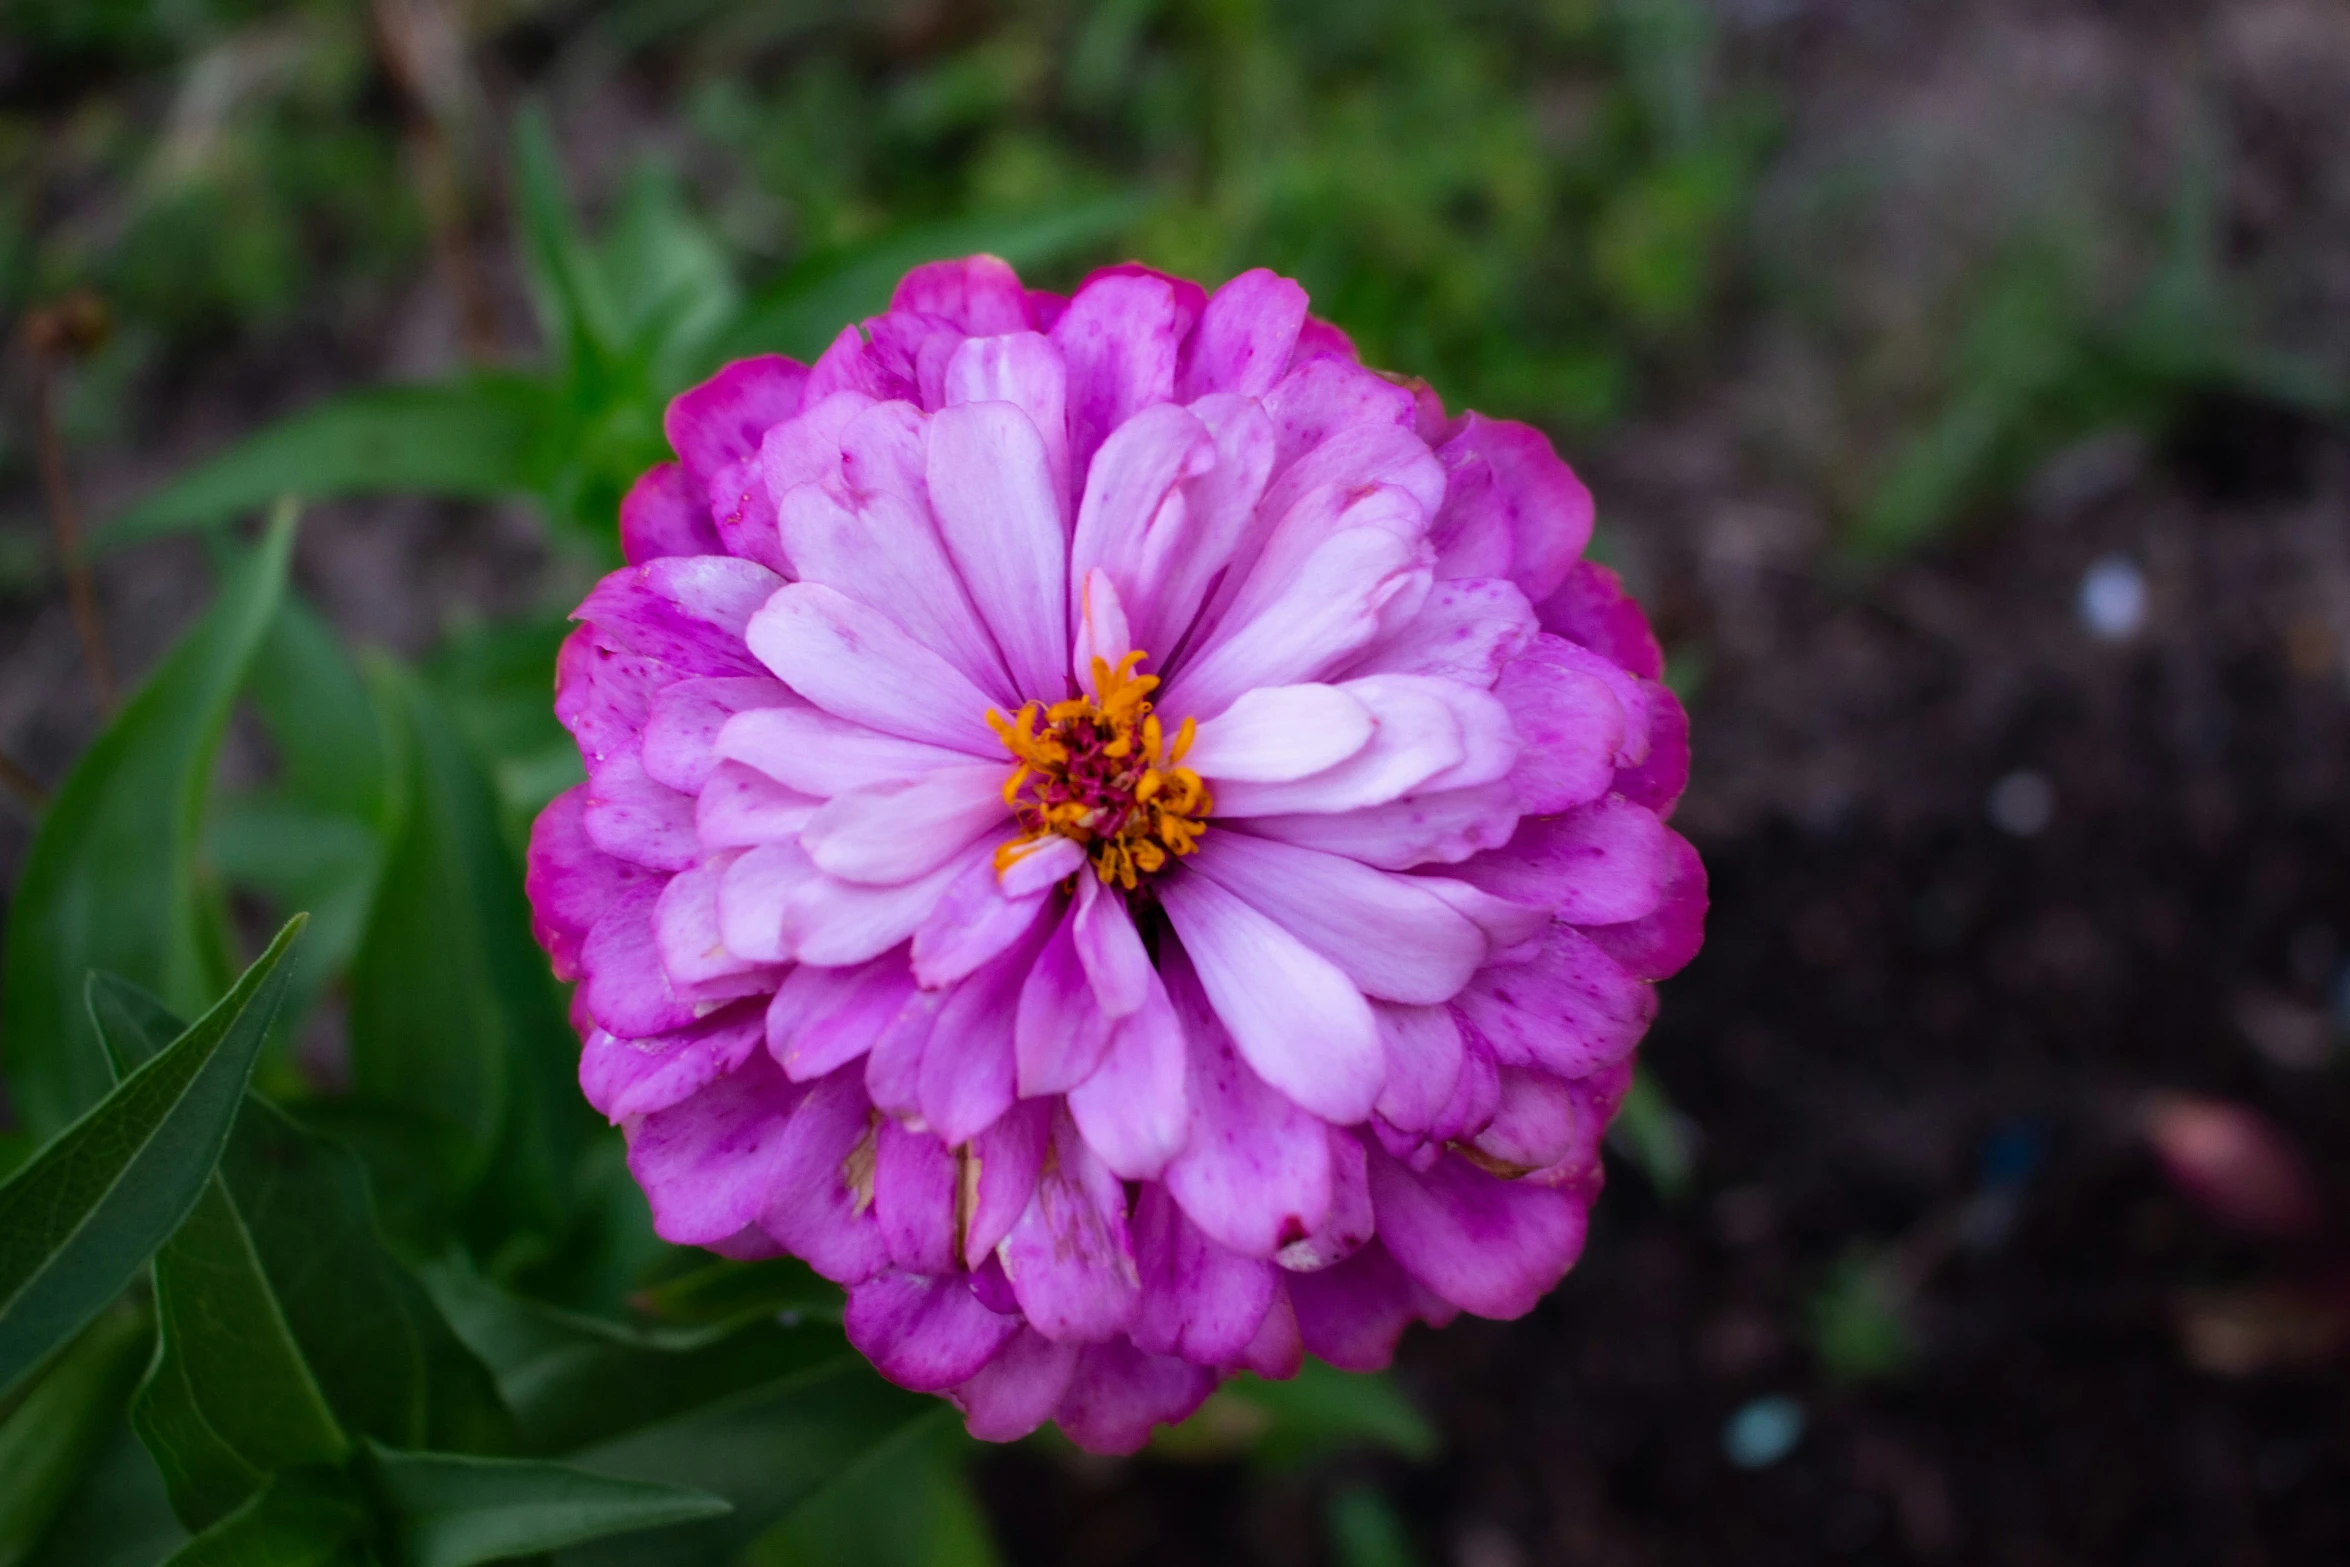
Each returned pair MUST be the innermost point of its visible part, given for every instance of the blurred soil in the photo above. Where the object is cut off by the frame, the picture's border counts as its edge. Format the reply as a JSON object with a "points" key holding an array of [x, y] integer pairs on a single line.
{"points": [[1918, 1045]]}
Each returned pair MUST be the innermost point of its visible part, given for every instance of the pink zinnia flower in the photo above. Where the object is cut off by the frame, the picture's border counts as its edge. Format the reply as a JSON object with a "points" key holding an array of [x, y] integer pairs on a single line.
{"points": [[1128, 840]]}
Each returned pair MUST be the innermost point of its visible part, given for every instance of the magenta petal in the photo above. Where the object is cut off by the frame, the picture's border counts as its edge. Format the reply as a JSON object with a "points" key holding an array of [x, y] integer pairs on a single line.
{"points": [[855, 662], [1060, 1031], [1423, 1047], [1476, 1093], [570, 882], [1135, 1109], [1660, 943], [1119, 339], [1017, 1391], [626, 990], [710, 1164], [1201, 1301], [821, 1019], [893, 1064], [681, 730], [1320, 397], [981, 295], [1571, 1009], [1353, 1315], [974, 921], [1110, 949], [1592, 609], [1349, 1223], [1299, 1021], [924, 1333], [631, 817], [624, 1078], [1533, 1126], [1278, 1352], [822, 1207], [1572, 725], [1657, 782], [1070, 1257], [1468, 630], [1510, 503], [604, 695], [687, 611], [1118, 1393], [1489, 1246], [1413, 829], [665, 513], [1008, 1157], [1602, 864], [914, 1181], [721, 420], [1255, 1172], [1244, 337], [992, 490], [968, 1072]]}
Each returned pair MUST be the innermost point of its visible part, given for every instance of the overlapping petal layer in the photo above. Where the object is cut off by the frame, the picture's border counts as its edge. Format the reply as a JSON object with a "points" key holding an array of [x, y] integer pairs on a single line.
{"points": [[1281, 998]]}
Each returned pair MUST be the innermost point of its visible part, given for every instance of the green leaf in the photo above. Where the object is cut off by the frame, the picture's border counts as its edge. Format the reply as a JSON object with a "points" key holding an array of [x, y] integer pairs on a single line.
{"points": [[1365, 1532], [301, 1518], [119, 1515], [110, 880], [1320, 1412], [58, 1431], [766, 1451], [803, 311], [454, 1017], [77, 1221], [449, 1511], [907, 1503], [575, 310], [575, 1381], [723, 1291], [479, 437]]}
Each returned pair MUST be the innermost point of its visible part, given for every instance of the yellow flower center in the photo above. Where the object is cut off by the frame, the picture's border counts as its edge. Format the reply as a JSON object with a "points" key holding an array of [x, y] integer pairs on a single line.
{"points": [[1098, 769]]}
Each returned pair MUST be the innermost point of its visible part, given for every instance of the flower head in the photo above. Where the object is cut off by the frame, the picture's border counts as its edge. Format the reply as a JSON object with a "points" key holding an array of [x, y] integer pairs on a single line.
{"points": [[1131, 842]]}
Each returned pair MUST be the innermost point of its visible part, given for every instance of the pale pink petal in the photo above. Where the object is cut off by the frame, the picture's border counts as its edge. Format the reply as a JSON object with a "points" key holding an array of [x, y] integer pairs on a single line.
{"points": [[1002, 1165], [1018, 1390], [817, 754], [1135, 1107], [886, 834], [1357, 456], [1110, 948], [688, 611], [682, 728], [1244, 336], [693, 950], [1201, 1301], [978, 294], [968, 1072], [1277, 733], [977, 918], [924, 1333], [1060, 1031], [893, 1064], [1220, 515], [1391, 935], [1102, 633], [1573, 727], [1039, 863], [1349, 1223], [1323, 396], [991, 487], [1489, 1246], [1134, 515], [751, 894], [1418, 737], [808, 449], [854, 662], [741, 808], [1571, 1009], [1468, 630], [1423, 1046], [826, 920], [1415, 829], [1293, 1014], [1025, 370], [1119, 339], [631, 817], [1070, 1258]]}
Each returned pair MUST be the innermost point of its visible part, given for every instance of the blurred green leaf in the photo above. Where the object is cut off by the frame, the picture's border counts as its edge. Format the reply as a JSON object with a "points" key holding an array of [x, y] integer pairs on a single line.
{"points": [[119, 1515], [766, 1450], [907, 1503], [300, 1518], [497, 682], [62, 1424], [1860, 1319], [450, 1511], [1365, 1531], [110, 880], [78, 1220], [804, 310], [1317, 1413], [721, 1291], [575, 1381], [478, 437], [575, 311], [1657, 1138]]}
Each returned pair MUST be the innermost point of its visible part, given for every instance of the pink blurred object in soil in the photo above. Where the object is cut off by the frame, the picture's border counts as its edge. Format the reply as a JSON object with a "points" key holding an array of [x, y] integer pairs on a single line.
{"points": [[1128, 840], [2235, 1165]]}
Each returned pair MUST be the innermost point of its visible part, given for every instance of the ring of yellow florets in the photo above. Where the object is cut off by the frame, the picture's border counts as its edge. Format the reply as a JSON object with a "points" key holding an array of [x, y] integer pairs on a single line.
{"points": [[1099, 769]]}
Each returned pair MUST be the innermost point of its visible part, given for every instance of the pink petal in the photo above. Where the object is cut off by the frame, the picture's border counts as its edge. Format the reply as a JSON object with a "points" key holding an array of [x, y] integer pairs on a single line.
{"points": [[709, 1164], [740, 808], [1277, 733], [822, 1207], [1102, 631], [1349, 1223], [968, 1070], [924, 1333], [1476, 1094], [1278, 1351], [823, 1018], [625, 1078], [626, 990], [977, 918], [1489, 1246], [751, 895], [1119, 339], [979, 294], [1134, 518], [1327, 610], [603, 695], [1414, 829], [854, 662], [1533, 1125], [826, 920], [1391, 935], [1423, 1047], [1468, 631], [886, 834], [1255, 1172], [1244, 337], [1660, 943], [991, 486], [681, 732], [1353, 1315], [1016, 1392], [808, 449], [1070, 1258], [1320, 397], [570, 882], [693, 952], [664, 513], [853, 364], [1135, 1109], [1007, 1158], [1572, 726], [1201, 1301], [1592, 609], [721, 420], [1293, 1014], [1657, 782], [1511, 504], [1060, 1031], [1220, 515], [1419, 738], [1111, 949], [688, 611], [1118, 1393], [914, 1181], [1023, 369], [893, 1065], [629, 816], [1571, 1010], [811, 751], [1603, 864], [1355, 458]]}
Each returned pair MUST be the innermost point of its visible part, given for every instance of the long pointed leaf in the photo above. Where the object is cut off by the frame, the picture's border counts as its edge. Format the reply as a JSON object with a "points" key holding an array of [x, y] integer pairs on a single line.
{"points": [[78, 1220], [449, 1511], [59, 1429], [110, 880], [301, 1518]]}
